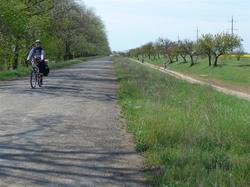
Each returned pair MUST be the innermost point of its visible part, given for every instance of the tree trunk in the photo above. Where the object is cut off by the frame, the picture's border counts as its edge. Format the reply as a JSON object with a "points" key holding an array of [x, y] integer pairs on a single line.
{"points": [[16, 55], [184, 58], [216, 58], [216, 61], [192, 60], [209, 60], [170, 59], [67, 55]]}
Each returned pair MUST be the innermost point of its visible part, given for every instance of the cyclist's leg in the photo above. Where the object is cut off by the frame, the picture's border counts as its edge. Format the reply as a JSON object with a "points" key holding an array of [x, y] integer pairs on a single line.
{"points": [[41, 79], [40, 66]]}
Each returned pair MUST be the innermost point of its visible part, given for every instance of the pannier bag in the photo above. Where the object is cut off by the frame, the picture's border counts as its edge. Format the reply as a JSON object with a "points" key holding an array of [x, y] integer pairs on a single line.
{"points": [[46, 68]]}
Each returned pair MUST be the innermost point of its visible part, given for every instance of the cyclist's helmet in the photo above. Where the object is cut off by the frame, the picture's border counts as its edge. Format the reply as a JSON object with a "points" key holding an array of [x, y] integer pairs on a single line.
{"points": [[38, 42]]}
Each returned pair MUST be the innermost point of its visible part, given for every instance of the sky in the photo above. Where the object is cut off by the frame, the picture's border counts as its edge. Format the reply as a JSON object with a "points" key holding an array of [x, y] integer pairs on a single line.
{"points": [[132, 23]]}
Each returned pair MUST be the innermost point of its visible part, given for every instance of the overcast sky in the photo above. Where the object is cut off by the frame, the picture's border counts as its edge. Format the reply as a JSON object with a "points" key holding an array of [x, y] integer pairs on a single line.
{"points": [[131, 23]]}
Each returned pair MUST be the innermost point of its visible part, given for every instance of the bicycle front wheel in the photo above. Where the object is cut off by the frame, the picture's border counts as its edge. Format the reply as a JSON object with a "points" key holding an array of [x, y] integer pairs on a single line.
{"points": [[33, 80]]}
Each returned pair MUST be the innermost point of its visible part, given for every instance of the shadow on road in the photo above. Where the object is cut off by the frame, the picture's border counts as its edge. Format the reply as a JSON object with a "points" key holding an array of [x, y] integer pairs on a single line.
{"points": [[78, 81], [66, 133], [81, 164]]}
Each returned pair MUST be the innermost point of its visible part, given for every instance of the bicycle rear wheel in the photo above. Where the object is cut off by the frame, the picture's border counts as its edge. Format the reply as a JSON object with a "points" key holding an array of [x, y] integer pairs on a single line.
{"points": [[33, 79]]}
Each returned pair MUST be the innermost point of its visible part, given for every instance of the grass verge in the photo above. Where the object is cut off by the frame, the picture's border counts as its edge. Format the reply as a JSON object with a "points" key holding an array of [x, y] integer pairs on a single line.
{"points": [[229, 70], [190, 135], [24, 71]]}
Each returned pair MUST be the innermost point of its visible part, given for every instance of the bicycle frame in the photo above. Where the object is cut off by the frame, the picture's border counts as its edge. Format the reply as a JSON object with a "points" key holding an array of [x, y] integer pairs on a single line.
{"points": [[36, 77]]}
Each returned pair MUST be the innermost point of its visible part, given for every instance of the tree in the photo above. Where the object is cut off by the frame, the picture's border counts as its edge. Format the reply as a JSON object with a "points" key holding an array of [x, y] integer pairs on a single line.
{"points": [[148, 49], [65, 28], [157, 49], [13, 24], [182, 51], [167, 49], [210, 45], [239, 51], [224, 43], [206, 45], [189, 47], [174, 52]]}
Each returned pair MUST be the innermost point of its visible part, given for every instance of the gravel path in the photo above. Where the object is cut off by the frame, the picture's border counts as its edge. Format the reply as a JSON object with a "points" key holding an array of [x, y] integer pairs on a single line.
{"points": [[237, 93], [67, 133]]}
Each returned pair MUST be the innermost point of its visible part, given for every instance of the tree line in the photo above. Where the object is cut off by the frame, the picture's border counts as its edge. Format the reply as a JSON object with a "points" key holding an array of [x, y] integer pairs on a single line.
{"points": [[212, 46], [66, 29]]}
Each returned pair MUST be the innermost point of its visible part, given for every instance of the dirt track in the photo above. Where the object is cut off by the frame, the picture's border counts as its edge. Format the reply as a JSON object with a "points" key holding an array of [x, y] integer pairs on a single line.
{"points": [[68, 133], [237, 93]]}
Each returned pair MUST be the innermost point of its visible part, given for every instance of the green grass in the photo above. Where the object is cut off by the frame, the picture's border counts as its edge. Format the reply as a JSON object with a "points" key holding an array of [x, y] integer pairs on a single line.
{"points": [[24, 71], [190, 135], [229, 71]]}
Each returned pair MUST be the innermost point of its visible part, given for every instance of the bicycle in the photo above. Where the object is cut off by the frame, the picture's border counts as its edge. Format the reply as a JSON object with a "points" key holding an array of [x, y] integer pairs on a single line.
{"points": [[36, 78]]}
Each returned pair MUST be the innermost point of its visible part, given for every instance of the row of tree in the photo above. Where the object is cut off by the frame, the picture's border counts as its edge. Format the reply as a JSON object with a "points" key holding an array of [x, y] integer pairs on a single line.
{"points": [[66, 29], [212, 46]]}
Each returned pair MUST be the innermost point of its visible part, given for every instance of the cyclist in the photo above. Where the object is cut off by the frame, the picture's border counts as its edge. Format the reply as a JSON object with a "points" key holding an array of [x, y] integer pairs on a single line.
{"points": [[37, 53]]}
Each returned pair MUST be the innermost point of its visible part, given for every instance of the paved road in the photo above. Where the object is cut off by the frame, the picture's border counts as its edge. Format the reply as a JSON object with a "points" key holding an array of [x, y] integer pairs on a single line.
{"points": [[67, 133]]}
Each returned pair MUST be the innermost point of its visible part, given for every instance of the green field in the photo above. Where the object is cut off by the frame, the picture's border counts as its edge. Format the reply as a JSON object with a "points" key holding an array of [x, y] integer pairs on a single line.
{"points": [[190, 135], [229, 71], [24, 71]]}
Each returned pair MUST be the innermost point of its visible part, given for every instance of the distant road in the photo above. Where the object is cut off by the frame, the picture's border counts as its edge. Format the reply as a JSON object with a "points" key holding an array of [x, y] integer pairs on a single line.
{"points": [[67, 133]]}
